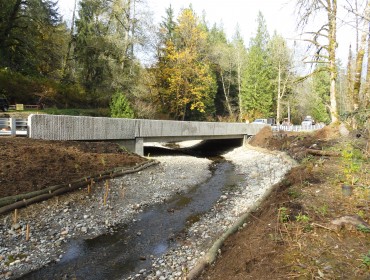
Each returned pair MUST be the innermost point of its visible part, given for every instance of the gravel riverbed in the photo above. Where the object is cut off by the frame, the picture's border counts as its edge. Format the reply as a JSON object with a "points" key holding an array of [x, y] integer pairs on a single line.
{"points": [[85, 215]]}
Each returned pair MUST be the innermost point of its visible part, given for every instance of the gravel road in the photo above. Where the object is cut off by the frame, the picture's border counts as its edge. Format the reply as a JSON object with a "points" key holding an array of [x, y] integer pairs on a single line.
{"points": [[84, 215]]}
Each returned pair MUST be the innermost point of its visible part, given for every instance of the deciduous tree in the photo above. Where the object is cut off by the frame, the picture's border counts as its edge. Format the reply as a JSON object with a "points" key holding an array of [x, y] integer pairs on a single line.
{"points": [[186, 84], [281, 58], [327, 33]]}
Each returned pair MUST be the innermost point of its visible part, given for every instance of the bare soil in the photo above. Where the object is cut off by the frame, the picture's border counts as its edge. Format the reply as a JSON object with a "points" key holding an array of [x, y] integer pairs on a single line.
{"points": [[28, 165], [291, 236], [295, 234]]}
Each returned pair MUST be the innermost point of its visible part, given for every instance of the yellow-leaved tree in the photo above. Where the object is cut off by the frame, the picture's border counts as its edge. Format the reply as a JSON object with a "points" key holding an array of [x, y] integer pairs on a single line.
{"points": [[185, 83]]}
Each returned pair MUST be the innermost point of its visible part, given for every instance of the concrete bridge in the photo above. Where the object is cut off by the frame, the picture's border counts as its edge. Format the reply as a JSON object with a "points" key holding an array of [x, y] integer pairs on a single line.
{"points": [[132, 133]]}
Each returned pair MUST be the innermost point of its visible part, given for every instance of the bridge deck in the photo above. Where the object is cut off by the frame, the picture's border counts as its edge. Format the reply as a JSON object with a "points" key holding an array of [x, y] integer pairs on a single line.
{"points": [[51, 127]]}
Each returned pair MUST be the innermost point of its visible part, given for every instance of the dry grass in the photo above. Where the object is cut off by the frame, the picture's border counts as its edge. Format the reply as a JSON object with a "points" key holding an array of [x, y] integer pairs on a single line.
{"points": [[315, 248], [293, 235]]}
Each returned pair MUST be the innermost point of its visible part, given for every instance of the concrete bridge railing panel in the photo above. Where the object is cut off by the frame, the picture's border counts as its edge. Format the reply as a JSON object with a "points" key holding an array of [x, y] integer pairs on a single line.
{"points": [[50, 127], [92, 128], [132, 133]]}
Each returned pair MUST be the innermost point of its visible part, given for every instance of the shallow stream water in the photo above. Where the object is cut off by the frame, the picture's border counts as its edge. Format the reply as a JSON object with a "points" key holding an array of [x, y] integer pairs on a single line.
{"points": [[132, 246]]}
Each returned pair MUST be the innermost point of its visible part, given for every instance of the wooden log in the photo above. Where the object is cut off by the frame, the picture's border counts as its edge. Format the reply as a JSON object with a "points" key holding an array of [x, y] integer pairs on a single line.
{"points": [[323, 153], [115, 172], [61, 189]]}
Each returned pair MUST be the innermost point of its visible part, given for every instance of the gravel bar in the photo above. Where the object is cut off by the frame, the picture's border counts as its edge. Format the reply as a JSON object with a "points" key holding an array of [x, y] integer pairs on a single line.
{"points": [[84, 214]]}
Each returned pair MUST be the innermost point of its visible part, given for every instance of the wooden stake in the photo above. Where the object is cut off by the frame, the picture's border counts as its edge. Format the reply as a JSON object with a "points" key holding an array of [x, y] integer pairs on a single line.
{"points": [[15, 218], [88, 188], [106, 192], [28, 232]]}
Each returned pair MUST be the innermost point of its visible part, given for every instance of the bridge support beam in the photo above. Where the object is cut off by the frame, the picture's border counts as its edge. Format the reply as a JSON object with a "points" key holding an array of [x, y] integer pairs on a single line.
{"points": [[139, 146], [134, 146], [246, 139]]}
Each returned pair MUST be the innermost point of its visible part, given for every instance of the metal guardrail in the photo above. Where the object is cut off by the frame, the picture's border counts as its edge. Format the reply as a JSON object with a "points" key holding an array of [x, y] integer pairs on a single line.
{"points": [[297, 128], [13, 127], [14, 107]]}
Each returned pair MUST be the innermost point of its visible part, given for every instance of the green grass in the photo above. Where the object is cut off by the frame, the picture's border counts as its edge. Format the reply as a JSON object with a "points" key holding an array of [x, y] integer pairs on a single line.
{"points": [[97, 112]]}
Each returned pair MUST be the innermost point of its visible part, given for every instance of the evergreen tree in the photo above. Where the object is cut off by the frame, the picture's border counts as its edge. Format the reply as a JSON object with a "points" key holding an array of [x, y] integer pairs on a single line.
{"points": [[104, 49], [32, 37], [320, 99], [120, 107], [168, 25], [91, 47], [256, 95]]}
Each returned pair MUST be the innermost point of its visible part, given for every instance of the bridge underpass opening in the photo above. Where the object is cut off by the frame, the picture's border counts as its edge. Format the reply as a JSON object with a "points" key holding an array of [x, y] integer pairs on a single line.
{"points": [[198, 148]]}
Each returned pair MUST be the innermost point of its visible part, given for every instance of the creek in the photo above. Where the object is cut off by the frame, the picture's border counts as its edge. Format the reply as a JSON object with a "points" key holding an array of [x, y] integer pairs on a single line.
{"points": [[130, 249]]}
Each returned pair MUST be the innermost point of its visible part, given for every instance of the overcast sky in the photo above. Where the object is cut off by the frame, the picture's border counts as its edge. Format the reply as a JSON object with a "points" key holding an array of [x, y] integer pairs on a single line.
{"points": [[279, 15]]}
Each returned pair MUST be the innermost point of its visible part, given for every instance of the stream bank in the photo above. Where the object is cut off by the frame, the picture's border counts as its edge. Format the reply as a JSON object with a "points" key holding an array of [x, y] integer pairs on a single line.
{"points": [[85, 215]]}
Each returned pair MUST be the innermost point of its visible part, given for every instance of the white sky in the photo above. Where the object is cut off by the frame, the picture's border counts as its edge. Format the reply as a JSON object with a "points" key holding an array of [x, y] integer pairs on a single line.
{"points": [[279, 16]]}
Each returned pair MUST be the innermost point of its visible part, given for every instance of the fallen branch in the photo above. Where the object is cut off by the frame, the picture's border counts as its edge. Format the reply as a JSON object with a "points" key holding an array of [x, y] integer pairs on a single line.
{"points": [[321, 226], [322, 153]]}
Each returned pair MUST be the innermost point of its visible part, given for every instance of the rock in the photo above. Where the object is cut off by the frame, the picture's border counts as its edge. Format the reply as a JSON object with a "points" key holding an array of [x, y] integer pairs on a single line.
{"points": [[15, 262], [8, 274], [223, 197], [66, 219], [343, 130], [136, 206], [84, 229], [349, 221], [16, 226]]}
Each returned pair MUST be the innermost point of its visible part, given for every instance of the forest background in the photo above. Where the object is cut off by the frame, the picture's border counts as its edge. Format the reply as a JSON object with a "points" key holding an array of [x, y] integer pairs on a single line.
{"points": [[196, 72]]}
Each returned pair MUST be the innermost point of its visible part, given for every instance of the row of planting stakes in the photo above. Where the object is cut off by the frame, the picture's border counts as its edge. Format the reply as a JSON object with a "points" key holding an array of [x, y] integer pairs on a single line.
{"points": [[15, 219]]}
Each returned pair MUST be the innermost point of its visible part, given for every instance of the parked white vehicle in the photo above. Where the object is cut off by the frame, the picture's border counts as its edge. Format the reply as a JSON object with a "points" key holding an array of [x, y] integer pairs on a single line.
{"points": [[260, 121], [308, 121]]}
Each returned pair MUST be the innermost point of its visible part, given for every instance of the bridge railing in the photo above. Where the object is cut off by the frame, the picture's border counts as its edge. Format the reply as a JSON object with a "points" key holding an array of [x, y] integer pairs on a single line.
{"points": [[22, 107], [297, 128], [13, 127]]}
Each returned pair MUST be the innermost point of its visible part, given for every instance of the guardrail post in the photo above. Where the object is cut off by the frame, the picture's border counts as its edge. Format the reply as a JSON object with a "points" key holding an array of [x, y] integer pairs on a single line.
{"points": [[13, 127]]}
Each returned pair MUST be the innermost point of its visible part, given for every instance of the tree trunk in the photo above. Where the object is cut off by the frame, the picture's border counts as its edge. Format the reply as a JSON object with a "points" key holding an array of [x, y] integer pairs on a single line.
{"points": [[359, 60], [332, 14], [366, 102], [349, 81], [241, 113], [226, 94], [10, 23], [278, 100], [68, 55]]}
